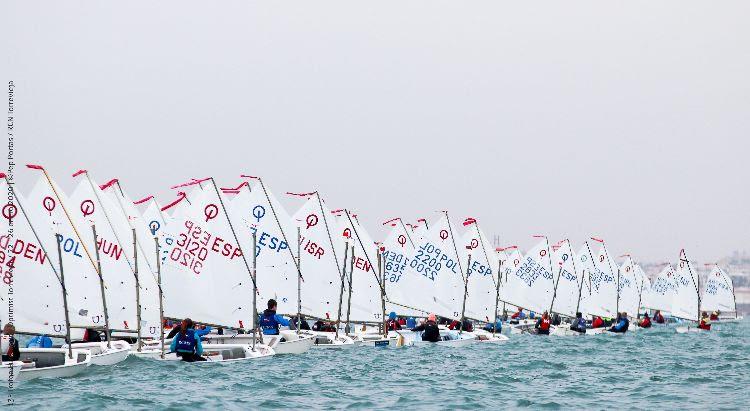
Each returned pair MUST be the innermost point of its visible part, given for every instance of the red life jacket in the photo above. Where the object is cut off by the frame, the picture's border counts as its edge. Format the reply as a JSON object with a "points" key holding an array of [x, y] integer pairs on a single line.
{"points": [[545, 324], [646, 323], [704, 326], [598, 322]]}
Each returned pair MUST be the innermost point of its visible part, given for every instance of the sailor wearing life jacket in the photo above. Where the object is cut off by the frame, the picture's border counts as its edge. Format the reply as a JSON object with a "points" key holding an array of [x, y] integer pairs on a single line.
{"points": [[646, 322], [187, 344], [10, 344], [543, 324], [705, 322], [622, 323], [270, 321]]}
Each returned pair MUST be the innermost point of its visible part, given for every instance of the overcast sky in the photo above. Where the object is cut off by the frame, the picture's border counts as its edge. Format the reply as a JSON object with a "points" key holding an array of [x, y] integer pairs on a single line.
{"points": [[629, 121]]}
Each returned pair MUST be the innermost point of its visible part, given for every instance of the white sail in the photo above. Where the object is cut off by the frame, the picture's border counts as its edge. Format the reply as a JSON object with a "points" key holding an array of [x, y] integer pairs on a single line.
{"points": [[321, 259], [90, 208], [482, 274], [398, 248], [204, 275], [685, 303], [662, 291], [602, 300], [718, 293], [644, 284], [531, 284], [567, 280], [127, 217], [36, 298], [45, 209], [366, 301], [274, 248], [629, 292]]}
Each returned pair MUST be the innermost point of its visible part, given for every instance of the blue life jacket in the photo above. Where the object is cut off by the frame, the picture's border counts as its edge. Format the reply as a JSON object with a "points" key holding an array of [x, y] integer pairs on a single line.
{"points": [[40, 341], [186, 343], [268, 323], [411, 323]]}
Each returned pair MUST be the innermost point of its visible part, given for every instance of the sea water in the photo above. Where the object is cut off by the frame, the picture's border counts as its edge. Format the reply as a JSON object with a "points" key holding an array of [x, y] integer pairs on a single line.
{"points": [[649, 369]]}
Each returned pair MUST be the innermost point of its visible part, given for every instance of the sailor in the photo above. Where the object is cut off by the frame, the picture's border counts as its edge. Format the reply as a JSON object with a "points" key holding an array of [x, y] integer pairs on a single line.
{"points": [[517, 316], [392, 322], [597, 322], [578, 324], [91, 335], [542, 324], [497, 327], [622, 323], [40, 341], [186, 344], [304, 325], [9, 344], [200, 331], [715, 315], [429, 328], [658, 318], [646, 322], [556, 320], [705, 322], [270, 321], [411, 323]]}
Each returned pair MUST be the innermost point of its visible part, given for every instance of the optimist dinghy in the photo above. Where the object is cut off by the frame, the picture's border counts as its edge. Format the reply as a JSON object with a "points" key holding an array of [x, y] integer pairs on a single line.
{"points": [[486, 337], [287, 342], [53, 363], [103, 355], [224, 353], [449, 339]]}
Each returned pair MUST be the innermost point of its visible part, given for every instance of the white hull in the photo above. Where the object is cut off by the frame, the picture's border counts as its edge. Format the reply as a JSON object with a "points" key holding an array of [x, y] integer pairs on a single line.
{"points": [[226, 353], [53, 363], [565, 331], [684, 330], [596, 331], [486, 337], [293, 343], [329, 340], [449, 338], [103, 355], [523, 326]]}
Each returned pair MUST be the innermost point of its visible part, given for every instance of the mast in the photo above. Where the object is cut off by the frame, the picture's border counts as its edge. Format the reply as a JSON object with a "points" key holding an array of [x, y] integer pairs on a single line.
{"points": [[580, 286], [255, 288], [349, 300], [58, 240], [161, 296], [466, 291], [101, 286], [137, 289], [341, 289], [497, 297], [382, 291], [609, 263], [299, 282]]}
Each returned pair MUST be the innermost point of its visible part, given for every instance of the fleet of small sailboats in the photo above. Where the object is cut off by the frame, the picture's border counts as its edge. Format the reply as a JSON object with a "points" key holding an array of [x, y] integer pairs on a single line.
{"points": [[97, 261]]}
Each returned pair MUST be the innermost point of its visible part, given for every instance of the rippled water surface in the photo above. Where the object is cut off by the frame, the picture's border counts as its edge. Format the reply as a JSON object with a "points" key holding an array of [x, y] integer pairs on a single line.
{"points": [[654, 369]]}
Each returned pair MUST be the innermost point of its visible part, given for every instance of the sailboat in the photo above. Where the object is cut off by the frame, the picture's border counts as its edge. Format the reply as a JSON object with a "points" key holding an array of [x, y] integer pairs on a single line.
{"points": [[662, 291], [686, 303], [38, 299], [530, 284], [256, 211], [569, 285], [718, 295], [205, 274], [52, 208], [434, 281], [321, 264], [483, 281]]}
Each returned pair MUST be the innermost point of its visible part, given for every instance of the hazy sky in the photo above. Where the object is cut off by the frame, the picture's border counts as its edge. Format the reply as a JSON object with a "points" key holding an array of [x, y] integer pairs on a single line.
{"points": [[628, 120]]}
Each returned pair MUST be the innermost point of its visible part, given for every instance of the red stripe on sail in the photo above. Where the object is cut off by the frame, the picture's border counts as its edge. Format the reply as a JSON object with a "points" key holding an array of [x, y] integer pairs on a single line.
{"points": [[242, 184], [469, 221], [79, 172], [35, 167], [143, 200], [598, 240], [391, 220], [108, 184], [175, 202]]}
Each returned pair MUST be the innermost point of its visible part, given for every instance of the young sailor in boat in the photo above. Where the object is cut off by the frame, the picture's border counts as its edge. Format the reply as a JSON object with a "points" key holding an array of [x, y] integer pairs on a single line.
{"points": [[270, 321], [392, 322], [542, 324], [622, 323], [597, 322], [556, 320], [658, 318], [323, 326], [517, 316], [91, 335], [429, 328], [645, 322], [578, 324], [186, 344], [705, 322], [200, 331], [10, 344], [497, 327], [303, 323], [715, 315]]}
